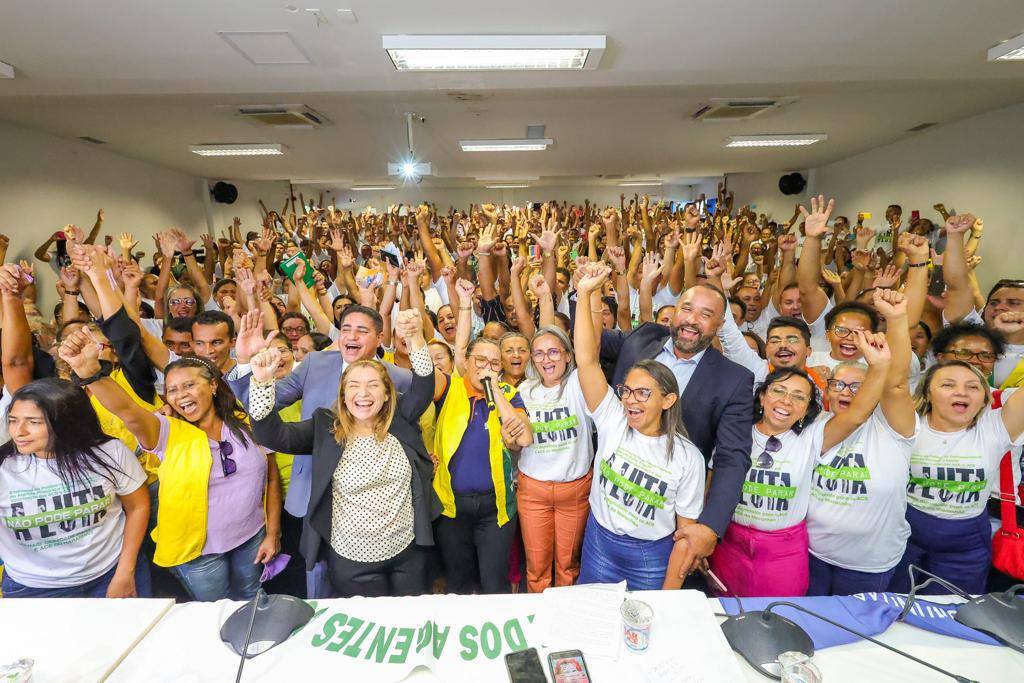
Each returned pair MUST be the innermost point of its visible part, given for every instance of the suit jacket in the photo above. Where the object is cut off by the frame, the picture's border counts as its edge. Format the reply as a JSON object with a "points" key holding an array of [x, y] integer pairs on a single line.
{"points": [[314, 436], [717, 411]]}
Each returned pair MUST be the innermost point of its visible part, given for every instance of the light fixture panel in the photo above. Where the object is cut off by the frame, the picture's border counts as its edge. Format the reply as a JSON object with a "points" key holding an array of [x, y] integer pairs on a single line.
{"points": [[238, 150], [1009, 50], [494, 53], [522, 145], [367, 188], [795, 140]]}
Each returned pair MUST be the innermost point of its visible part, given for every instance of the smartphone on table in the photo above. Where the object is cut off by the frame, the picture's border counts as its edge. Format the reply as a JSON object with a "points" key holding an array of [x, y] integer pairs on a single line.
{"points": [[568, 666], [525, 667]]}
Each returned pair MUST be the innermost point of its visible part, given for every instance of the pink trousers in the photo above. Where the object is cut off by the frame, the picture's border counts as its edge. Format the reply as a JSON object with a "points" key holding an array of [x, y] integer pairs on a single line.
{"points": [[755, 563]]}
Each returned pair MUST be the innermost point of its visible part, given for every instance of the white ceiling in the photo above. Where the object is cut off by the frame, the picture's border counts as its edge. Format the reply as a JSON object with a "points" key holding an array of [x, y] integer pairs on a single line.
{"points": [[152, 78]]}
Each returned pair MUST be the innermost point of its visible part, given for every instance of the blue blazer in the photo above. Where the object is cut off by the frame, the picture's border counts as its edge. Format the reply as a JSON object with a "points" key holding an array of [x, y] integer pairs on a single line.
{"points": [[717, 408]]}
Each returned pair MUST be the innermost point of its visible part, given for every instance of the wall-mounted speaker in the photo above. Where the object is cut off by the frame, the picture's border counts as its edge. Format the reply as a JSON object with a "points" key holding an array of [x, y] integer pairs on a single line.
{"points": [[224, 193], [792, 183]]}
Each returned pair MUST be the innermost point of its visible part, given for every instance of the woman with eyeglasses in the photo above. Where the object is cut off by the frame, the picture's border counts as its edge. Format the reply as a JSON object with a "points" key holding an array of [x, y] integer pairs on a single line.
{"points": [[954, 466], [648, 477], [220, 494], [856, 520], [765, 548], [474, 446], [970, 343], [555, 470]]}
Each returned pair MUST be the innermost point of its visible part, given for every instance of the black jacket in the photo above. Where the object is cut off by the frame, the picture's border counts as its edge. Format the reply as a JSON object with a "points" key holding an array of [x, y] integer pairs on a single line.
{"points": [[315, 436], [718, 410]]}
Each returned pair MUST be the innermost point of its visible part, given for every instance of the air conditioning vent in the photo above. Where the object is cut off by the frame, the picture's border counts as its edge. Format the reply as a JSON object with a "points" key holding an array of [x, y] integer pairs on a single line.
{"points": [[921, 126], [293, 116], [738, 109]]}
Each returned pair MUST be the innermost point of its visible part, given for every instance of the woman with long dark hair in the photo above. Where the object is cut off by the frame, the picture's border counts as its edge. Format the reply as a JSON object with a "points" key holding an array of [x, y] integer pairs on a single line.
{"points": [[648, 476], [73, 501], [220, 494]]}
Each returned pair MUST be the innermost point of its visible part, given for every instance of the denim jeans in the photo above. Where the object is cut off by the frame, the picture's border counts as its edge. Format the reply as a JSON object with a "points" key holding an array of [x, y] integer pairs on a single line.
{"points": [[97, 588], [610, 558], [234, 574], [828, 579]]}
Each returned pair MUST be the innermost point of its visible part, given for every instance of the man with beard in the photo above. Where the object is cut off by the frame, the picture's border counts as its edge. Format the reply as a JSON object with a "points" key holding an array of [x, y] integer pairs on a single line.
{"points": [[715, 395]]}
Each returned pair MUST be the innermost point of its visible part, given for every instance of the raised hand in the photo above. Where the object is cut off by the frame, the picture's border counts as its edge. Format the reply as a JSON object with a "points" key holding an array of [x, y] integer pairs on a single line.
{"points": [[491, 212], [691, 218], [973, 262], [71, 278], [861, 259], [691, 246], [816, 220], [167, 242], [413, 269], [127, 242], [651, 268], [81, 352], [466, 290], [887, 278], [539, 286], [610, 218], [11, 280], [131, 276], [873, 346], [464, 249], [914, 246], [959, 224], [548, 237], [787, 243], [831, 277], [1009, 322], [593, 277], [181, 241], [410, 324], [518, 266], [300, 271], [617, 257], [890, 303], [863, 236], [264, 364], [250, 340]]}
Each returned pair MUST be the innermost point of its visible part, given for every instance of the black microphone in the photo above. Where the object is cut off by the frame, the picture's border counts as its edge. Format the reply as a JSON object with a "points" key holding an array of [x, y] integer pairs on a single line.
{"points": [[486, 381]]}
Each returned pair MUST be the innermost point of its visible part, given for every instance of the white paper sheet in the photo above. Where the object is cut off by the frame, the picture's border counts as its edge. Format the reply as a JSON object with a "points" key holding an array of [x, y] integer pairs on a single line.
{"points": [[584, 618]]}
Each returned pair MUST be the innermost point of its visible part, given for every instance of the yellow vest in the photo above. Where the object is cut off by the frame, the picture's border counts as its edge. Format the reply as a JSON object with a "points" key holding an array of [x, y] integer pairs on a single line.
{"points": [[180, 532], [114, 426], [452, 422], [1015, 378]]}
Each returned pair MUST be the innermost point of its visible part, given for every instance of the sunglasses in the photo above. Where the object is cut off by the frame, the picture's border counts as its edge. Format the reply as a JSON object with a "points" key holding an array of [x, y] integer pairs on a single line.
{"points": [[227, 464], [765, 460]]}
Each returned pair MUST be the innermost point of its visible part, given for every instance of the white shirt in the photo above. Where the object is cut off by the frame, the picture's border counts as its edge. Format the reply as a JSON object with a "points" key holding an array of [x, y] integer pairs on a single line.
{"points": [[776, 497], [736, 349], [818, 340], [637, 490], [857, 514], [952, 473], [562, 449], [818, 358], [682, 368], [5, 404], [53, 535]]}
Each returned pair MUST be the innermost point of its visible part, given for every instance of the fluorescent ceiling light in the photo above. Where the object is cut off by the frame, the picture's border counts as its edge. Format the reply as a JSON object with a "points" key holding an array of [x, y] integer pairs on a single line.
{"points": [[494, 53], [507, 186], [361, 188], [251, 149], [523, 145], [774, 140], [640, 183], [1008, 50]]}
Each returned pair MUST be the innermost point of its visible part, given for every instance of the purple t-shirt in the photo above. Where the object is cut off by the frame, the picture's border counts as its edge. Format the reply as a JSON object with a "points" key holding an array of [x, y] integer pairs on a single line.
{"points": [[235, 502]]}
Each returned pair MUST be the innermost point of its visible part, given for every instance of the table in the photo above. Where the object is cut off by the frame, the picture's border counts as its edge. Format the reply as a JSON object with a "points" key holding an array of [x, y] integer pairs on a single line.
{"points": [[75, 639]]}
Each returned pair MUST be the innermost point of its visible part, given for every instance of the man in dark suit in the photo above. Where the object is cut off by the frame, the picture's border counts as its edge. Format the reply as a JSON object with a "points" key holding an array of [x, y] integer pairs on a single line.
{"points": [[716, 398]]}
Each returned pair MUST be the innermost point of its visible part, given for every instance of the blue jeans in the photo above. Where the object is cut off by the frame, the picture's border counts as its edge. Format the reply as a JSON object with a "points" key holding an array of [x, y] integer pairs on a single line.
{"points": [[828, 579], [958, 550], [609, 558], [234, 574], [97, 588]]}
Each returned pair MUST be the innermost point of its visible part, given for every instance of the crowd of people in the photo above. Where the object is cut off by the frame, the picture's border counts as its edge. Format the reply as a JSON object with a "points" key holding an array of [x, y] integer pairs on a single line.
{"points": [[509, 398]]}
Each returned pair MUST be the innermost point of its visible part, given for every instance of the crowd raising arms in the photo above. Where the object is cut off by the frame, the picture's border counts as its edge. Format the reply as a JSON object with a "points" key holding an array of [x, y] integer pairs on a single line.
{"points": [[635, 392]]}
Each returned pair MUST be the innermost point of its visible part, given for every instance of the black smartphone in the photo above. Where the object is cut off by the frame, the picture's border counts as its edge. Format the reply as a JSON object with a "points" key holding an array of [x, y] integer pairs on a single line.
{"points": [[525, 667], [390, 258], [568, 666]]}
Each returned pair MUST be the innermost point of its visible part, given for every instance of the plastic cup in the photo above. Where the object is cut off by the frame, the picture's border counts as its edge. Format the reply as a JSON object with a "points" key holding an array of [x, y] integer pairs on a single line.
{"points": [[636, 624]]}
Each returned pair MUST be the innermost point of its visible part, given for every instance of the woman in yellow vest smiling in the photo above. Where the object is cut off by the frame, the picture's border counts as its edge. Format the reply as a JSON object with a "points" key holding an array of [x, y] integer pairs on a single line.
{"points": [[217, 520], [474, 446]]}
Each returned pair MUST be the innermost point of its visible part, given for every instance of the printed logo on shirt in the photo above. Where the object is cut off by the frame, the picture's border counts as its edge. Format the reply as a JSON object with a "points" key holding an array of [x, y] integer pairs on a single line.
{"points": [[51, 516], [631, 492], [944, 488], [843, 480], [554, 428], [766, 496]]}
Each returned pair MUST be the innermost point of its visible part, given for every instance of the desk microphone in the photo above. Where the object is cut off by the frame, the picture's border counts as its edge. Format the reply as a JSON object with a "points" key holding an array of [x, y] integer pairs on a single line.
{"points": [[488, 391]]}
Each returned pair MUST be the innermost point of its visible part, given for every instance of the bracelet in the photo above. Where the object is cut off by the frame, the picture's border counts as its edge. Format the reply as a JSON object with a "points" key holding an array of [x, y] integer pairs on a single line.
{"points": [[465, 308], [917, 265], [186, 254], [483, 253], [106, 367], [70, 292], [393, 283]]}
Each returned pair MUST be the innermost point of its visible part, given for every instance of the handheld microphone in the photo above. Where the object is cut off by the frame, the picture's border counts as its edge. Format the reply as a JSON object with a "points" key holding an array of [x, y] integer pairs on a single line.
{"points": [[489, 392]]}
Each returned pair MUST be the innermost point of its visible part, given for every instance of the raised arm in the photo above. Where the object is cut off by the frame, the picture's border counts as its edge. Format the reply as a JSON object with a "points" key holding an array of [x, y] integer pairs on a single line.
{"points": [[879, 359], [915, 288], [812, 297], [592, 379], [16, 340], [464, 322], [959, 297], [523, 313], [897, 406], [539, 287]]}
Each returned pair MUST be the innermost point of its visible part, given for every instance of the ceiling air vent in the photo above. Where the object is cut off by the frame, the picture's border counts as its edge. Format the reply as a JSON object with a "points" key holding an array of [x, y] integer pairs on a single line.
{"points": [[294, 116], [738, 109], [921, 126], [89, 138]]}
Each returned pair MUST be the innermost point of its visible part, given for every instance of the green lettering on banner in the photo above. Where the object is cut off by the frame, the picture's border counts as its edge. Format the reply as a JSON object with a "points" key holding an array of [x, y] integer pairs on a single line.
{"points": [[440, 638], [425, 635], [379, 646], [466, 637], [631, 488], [768, 490], [402, 644], [514, 635], [490, 640], [847, 473], [353, 649], [330, 628], [555, 425], [57, 516], [952, 486]]}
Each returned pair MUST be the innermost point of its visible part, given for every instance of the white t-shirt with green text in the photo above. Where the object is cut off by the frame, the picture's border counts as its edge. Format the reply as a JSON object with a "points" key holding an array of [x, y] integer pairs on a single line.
{"points": [[637, 490], [857, 514], [562, 449], [952, 473], [55, 536]]}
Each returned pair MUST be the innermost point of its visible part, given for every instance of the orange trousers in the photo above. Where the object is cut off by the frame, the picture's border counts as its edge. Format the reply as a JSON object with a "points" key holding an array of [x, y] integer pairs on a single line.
{"points": [[552, 516]]}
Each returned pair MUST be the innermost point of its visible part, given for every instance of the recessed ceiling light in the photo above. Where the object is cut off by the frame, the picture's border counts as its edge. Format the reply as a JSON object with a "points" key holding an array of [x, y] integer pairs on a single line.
{"points": [[506, 186], [523, 145], [774, 140], [361, 188], [640, 183], [238, 150], [494, 53], [1008, 50]]}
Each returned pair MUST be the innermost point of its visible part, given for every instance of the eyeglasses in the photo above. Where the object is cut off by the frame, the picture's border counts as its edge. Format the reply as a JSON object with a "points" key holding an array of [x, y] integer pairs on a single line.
{"points": [[551, 354], [641, 394], [482, 363], [228, 465], [791, 339], [842, 332], [839, 385], [294, 328], [765, 460], [966, 355], [795, 396], [187, 301]]}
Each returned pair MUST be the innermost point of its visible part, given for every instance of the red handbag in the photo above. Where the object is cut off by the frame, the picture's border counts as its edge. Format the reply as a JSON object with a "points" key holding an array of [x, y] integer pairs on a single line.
{"points": [[1008, 543]]}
